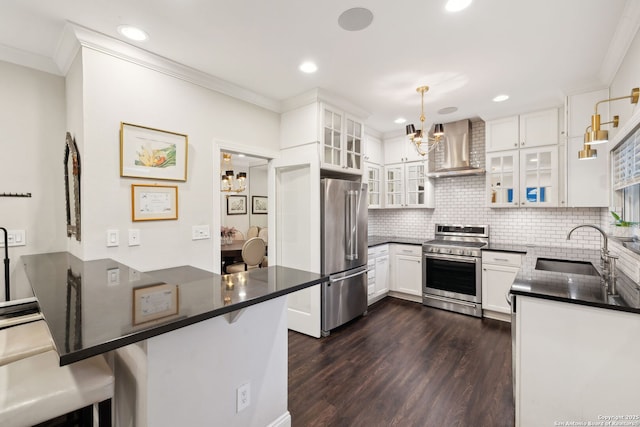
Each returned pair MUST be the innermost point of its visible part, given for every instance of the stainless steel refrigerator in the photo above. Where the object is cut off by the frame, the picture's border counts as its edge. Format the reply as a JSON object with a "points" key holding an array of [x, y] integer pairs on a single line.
{"points": [[344, 251]]}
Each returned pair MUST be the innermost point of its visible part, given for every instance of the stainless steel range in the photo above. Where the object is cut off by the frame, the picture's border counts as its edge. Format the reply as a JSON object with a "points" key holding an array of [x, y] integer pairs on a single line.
{"points": [[452, 268]]}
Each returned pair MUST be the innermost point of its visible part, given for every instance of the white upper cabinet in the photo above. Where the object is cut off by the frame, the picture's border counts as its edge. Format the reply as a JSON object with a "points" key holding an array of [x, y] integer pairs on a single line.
{"points": [[399, 150], [502, 134], [539, 128], [527, 130], [342, 141], [373, 178], [407, 186], [587, 180], [522, 160], [373, 150]]}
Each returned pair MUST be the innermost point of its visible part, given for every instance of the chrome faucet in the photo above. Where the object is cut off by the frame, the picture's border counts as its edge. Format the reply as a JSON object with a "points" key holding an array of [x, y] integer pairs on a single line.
{"points": [[607, 260], [604, 250]]}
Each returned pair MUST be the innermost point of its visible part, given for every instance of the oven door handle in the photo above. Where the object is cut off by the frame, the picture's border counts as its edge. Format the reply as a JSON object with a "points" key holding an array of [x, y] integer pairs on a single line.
{"points": [[469, 260]]}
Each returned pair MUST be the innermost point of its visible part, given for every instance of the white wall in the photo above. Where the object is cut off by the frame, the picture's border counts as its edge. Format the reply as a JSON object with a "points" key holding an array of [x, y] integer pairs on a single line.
{"points": [[116, 90], [32, 141], [627, 77], [258, 187]]}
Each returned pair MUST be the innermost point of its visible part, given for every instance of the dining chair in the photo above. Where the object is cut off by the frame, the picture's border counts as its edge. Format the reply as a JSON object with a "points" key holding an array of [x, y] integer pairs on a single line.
{"points": [[263, 234], [253, 232], [238, 235], [253, 252]]}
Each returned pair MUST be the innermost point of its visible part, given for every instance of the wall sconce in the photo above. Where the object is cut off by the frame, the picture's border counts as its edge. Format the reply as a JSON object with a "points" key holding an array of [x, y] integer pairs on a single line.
{"points": [[597, 135], [419, 137]]}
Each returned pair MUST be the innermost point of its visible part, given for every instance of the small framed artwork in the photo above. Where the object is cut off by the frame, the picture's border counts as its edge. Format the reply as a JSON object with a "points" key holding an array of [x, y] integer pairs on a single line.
{"points": [[236, 205], [258, 205], [152, 153], [155, 302], [154, 202]]}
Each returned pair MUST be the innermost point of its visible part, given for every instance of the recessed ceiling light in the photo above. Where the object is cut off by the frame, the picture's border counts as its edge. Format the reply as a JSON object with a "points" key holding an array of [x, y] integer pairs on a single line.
{"points": [[400, 120], [355, 19], [500, 98], [241, 155], [457, 5], [133, 33], [447, 110], [308, 67]]}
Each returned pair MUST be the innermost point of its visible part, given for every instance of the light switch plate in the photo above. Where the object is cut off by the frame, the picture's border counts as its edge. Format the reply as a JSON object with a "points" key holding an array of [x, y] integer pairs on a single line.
{"points": [[200, 232], [113, 238], [15, 238]]}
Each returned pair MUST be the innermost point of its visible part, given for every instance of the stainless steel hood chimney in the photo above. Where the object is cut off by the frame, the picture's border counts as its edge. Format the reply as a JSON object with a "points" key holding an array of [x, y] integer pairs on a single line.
{"points": [[457, 151]]}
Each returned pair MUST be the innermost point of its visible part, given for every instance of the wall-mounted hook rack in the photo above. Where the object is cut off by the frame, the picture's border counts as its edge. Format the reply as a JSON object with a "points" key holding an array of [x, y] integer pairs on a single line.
{"points": [[15, 194]]}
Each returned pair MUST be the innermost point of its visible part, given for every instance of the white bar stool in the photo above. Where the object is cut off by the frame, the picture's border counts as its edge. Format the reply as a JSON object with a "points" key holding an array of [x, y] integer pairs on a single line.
{"points": [[34, 387], [28, 339]]}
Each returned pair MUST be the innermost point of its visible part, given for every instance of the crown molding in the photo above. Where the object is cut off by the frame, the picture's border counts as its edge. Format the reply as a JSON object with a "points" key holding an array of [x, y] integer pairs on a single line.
{"points": [[323, 95], [93, 40], [28, 59], [621, 41]]}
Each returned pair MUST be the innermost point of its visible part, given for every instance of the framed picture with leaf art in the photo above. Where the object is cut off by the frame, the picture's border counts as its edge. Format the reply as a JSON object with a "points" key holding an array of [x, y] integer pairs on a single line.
{"points": [[236, 205], [258, 205], [152, 153]]}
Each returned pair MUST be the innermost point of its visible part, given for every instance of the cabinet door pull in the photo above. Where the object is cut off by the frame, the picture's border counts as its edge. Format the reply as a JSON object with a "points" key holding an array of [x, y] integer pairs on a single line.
{"points": [[501, 259]]}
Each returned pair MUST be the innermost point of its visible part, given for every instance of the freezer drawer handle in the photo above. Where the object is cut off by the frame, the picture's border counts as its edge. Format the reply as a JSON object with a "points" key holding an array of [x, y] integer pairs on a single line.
{"points": [[348, 277]]}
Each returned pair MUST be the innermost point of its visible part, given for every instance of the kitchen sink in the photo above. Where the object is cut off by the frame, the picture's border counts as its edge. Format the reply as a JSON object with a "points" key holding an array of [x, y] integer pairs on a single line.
{"points": [[566, 266]]}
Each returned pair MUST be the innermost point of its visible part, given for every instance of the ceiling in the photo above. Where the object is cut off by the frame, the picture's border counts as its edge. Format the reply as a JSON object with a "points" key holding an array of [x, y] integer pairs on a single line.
{"points": [[536, 51]]}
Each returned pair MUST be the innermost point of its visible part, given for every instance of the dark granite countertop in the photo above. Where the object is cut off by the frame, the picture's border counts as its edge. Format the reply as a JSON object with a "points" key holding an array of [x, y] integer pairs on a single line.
{"points": [[89, 305], [566, 287], [503, 247], [382, 240]]}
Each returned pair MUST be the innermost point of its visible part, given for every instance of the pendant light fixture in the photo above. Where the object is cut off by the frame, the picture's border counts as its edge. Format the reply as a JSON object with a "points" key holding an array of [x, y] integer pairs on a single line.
{"points": [[229, 183], [594, 135], [422, 141]]}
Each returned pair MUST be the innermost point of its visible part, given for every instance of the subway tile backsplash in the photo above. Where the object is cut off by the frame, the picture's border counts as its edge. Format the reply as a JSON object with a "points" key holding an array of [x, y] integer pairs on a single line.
{"points": [[461, 200]]}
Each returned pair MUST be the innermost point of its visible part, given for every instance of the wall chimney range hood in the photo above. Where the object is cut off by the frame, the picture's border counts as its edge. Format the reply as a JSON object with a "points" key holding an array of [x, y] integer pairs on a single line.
{"points": [[457, 151]]}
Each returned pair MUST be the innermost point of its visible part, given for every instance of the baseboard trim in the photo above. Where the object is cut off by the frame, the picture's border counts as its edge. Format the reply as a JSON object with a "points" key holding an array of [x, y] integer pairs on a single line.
{"points": [[283, 420]]}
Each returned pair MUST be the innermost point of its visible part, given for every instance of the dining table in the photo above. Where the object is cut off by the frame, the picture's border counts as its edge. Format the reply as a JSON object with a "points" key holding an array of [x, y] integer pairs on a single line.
{"points": [[231, 252]]}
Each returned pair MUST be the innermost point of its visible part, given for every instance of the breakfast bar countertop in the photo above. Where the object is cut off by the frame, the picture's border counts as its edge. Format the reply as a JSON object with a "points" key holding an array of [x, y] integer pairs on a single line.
{"points": [[92, 307]]}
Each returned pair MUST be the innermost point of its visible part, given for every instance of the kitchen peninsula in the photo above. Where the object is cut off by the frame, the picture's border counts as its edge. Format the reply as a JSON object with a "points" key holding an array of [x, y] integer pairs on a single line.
{"points": [[200, 335]]}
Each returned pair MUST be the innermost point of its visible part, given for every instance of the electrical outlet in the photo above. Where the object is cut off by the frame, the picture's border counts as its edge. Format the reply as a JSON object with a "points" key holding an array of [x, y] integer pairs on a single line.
{"points": [[243, 397], [134, 237]]}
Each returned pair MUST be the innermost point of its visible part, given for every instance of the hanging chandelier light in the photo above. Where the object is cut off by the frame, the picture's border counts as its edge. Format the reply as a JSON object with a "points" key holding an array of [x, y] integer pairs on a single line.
{"points": [[422, 142], [231, 184]]}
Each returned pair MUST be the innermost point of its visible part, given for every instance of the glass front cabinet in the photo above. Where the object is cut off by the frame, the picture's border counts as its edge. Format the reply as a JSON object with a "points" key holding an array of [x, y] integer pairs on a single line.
{"points": [[525, 178], [374, 181], [342, 143], [407, 185]]}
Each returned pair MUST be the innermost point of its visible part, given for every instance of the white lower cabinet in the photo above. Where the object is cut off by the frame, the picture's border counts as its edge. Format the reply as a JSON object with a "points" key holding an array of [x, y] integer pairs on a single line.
{"points": [[406, 271], [499, 270], [378, 276], [575, 363]]}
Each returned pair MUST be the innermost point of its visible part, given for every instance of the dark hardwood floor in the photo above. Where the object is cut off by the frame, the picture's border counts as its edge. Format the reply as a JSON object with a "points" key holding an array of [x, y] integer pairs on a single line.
{"points": [[403, 365]]}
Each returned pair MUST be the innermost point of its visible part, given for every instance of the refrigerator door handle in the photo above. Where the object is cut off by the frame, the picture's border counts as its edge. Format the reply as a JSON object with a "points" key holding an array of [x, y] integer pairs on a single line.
{"points": [[340, 279], [351, 223]]}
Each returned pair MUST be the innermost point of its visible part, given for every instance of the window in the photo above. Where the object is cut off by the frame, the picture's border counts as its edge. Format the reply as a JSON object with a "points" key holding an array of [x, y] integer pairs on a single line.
{"points": [[625, 164]]}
